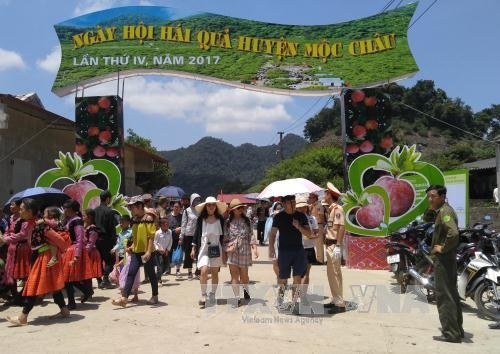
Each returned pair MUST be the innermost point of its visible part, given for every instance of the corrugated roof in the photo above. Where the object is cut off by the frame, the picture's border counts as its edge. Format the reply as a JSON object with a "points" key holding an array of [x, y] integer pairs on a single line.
{"points": [[481, 164]]}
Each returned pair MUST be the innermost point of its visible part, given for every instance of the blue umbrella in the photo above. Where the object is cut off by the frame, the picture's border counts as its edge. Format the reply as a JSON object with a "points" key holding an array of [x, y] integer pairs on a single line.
{"points": [[170, 192], [45, 196]]}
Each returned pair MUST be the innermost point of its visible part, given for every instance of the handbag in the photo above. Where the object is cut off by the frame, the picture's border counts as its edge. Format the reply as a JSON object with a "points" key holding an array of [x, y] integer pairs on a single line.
{"points": [[177, 255], [231, 246], [213, 251]]}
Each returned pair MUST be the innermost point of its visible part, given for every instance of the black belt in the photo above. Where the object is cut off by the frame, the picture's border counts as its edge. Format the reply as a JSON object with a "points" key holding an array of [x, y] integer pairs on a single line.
{"points": [[330, 242]]}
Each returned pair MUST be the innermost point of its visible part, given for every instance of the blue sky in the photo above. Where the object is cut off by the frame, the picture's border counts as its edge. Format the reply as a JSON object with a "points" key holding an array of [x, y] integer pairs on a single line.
{"points": [[454, 44]]}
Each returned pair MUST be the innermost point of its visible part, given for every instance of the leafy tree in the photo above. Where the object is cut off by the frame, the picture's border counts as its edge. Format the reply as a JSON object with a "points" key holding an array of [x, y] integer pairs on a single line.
{"points": [[326, 119], [137, 140], [318, 165]]}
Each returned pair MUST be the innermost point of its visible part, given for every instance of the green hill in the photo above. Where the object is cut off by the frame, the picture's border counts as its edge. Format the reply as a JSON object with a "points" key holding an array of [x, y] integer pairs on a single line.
{"points": [[212, 165]]}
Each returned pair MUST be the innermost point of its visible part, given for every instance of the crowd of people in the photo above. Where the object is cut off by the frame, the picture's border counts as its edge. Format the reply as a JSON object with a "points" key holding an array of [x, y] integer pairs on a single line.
{"points": [[62, 248], [47, 251]]}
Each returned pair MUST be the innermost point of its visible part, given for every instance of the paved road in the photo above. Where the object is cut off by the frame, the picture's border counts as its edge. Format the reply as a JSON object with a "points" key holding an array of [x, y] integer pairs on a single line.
{"points": [[381, 321]]}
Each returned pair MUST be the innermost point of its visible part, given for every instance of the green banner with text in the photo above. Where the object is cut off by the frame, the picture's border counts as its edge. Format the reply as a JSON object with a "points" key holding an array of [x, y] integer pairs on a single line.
{"points": [[288, 59]]}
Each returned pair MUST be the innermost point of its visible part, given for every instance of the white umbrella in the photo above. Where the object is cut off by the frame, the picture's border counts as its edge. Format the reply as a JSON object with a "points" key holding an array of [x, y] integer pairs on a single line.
{"points": [[289, 187]]}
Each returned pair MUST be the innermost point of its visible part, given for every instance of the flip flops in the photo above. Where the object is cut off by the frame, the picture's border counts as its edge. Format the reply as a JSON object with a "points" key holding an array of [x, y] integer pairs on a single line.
{"points": [[14, 321]]}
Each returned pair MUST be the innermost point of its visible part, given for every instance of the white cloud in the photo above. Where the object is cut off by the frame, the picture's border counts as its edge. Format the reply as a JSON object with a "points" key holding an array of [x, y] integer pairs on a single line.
{"points": [[88, 6], [10, 60], [220, 110], [51, 61]]}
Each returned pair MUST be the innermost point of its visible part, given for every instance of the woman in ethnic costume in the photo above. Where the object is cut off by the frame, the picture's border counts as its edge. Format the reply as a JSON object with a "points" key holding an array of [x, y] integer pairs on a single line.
{"points": [[43, 279], [18, 238], [76, 257]]}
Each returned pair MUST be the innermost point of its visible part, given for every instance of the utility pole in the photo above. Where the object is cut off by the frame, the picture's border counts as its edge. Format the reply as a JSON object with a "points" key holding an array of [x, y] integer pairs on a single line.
{"points": [[281, 146], [343, 130], [497, 141]]}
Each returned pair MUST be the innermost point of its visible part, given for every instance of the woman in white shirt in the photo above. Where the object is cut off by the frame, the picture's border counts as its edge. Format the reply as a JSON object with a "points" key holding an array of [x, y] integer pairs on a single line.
{"points": [[207, 243]]}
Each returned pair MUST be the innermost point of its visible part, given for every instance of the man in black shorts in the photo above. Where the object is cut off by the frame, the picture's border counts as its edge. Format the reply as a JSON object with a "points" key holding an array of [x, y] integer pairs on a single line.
{"points": [[291, 255]]}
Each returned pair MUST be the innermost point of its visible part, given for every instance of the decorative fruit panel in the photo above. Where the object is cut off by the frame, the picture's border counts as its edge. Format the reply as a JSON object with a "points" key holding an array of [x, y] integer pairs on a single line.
{"points": [[368, 119], [99, 128], [76, 177], [387, 193]]}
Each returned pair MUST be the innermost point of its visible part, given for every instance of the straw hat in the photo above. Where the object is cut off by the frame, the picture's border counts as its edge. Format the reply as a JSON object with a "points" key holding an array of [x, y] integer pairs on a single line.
{"points": [[221, 206], [235, 203], [301, 201], [135, 199], [332, 189]]}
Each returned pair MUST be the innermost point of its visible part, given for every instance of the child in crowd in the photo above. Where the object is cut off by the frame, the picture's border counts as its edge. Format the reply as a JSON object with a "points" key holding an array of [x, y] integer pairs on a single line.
{"points": [[51, 216], [163, 244], [123, 237]]}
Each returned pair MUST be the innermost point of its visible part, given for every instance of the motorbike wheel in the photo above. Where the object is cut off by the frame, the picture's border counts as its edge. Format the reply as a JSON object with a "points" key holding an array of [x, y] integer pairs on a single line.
{"points": [[484, 297]]}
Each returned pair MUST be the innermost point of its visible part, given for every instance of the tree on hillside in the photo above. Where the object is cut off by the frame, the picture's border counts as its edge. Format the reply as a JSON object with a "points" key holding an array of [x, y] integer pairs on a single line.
{"points": [[318, 165], [161, 173], [487, 121], [326, 119], [137, 140]]}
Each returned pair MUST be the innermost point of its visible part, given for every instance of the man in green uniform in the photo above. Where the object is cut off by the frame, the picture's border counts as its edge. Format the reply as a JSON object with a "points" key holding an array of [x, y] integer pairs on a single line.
{"points": [[444, 249]]}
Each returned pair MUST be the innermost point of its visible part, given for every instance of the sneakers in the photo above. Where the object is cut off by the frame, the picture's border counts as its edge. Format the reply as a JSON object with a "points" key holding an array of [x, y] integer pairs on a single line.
{"points": [[203, 300], [211, 299], [280, 300], [235, 303], [177, 274], [190, 276]]}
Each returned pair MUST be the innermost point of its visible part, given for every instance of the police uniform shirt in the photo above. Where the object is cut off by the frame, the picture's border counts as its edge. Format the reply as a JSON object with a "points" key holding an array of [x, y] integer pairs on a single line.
{"points": [[446, 229], [335, 221]]}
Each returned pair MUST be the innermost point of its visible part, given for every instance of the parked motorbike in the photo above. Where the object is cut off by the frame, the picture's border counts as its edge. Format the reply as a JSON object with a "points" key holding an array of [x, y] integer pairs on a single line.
{"points": [[401, 251], [480, 279]]}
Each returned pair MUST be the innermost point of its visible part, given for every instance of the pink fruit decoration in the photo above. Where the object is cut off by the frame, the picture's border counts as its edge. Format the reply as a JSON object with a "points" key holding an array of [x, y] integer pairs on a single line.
{"points": [[359, 131], [78, 190], [371, 124], [93, 131], [386, 143], [357, 96], [401, 194], [370, 216], [99, 151], [366, 146], [112, 152], [352, 148], [104, 136], [370, 101]]}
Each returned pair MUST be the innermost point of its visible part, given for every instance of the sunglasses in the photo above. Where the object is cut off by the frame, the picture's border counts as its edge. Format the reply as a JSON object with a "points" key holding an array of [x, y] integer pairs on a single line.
{"points": [[211, 204]]}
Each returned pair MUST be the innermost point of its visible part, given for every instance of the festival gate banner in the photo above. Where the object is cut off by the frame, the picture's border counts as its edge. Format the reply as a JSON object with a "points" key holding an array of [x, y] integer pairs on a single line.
{"points": [[278, 58]]}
